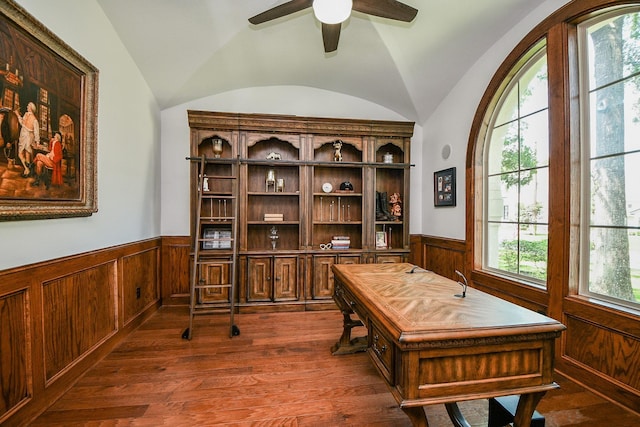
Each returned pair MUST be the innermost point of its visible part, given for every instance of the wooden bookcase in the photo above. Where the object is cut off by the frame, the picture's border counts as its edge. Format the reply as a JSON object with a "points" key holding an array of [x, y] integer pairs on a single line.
{"points": [[288, 168]]}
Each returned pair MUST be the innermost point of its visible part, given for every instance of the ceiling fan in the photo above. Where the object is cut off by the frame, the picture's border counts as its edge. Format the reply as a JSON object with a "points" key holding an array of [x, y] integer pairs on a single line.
{"points": [[332, 13]]}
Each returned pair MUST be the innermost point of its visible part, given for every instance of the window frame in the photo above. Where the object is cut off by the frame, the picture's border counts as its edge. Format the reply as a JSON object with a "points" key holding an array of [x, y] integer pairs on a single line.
{"points": [[536, 52], [583, 247], [562, 294]]}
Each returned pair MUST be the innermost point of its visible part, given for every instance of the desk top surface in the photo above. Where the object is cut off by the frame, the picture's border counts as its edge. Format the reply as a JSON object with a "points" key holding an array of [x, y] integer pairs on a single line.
{"points": [[423, 306]]}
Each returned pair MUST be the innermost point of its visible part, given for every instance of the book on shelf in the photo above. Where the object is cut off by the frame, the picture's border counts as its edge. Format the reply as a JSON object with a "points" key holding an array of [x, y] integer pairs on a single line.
{"points": [[273, 217], [216, 238], [341, 242]]}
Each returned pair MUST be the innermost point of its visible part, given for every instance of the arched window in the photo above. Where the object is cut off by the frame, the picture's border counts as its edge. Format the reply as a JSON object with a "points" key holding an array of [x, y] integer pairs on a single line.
{"points": [[554, 199], [516, 163]]}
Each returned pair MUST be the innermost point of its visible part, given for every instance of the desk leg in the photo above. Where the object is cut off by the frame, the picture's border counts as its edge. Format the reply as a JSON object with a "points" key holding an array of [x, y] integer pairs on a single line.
{"points": [[417, 416], [456, 416], [526, 405], [346, 345]]}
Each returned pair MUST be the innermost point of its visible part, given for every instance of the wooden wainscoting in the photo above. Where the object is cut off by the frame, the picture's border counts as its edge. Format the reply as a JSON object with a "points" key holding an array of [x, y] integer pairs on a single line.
{"points": [[60, 317], [439, 254], [176, 258]]}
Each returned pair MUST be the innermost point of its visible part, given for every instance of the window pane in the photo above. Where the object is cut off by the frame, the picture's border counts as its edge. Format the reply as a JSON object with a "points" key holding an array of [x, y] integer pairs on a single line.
{"points": [[502, 202], [534, 196], [616, 102], [616, 275], [533, 251], [534, 95], [534, 130], [509, 108], [502, 247], [615, 190], [503, 149], [612, 40]]}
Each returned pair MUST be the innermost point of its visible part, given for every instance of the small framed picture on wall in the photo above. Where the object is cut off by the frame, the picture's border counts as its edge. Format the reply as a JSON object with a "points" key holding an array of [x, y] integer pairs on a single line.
{"points": [[444, 187]]}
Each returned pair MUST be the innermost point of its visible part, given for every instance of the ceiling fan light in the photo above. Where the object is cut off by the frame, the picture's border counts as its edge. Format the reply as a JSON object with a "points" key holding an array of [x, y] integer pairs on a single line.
{"points": [[332, 11]]}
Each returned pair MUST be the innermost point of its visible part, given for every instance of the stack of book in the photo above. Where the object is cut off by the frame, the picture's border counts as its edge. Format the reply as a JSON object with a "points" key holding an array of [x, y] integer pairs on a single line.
{"points": [[273, 217], [340, 242], [216, 238]]}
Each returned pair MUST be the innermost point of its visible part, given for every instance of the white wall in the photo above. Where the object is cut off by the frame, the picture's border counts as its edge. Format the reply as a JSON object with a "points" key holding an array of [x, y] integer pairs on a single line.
{"points": [[451, 124], [136, 141], [293, 100], [128, 147]]}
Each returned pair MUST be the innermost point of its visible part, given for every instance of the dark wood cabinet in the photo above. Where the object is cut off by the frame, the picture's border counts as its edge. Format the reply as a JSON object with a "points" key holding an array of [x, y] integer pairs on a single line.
{"points": [[271, 278], [215, 272], [313, 192]]}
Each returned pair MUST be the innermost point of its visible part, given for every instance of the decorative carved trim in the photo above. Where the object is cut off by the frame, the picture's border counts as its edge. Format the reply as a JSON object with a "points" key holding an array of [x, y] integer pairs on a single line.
{"points": [[480, 341], [295, 124]]}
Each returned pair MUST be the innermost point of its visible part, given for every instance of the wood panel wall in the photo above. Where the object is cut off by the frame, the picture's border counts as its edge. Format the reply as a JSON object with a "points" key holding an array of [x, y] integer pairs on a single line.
{"points": [[59, 317], [175, 270], [441, 255]]}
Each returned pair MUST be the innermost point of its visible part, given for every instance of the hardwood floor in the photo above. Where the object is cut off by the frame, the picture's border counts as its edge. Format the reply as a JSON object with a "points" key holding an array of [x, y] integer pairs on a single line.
{"points": [[277, 372]]}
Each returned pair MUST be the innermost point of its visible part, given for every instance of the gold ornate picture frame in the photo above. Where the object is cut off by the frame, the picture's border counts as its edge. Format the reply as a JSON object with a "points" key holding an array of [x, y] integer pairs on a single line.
{"points": [[48, 122]]}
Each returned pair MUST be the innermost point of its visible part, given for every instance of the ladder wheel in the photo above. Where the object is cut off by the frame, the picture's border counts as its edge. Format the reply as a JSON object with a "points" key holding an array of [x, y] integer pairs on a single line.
{"points": [[186, 334], [235, 331]]}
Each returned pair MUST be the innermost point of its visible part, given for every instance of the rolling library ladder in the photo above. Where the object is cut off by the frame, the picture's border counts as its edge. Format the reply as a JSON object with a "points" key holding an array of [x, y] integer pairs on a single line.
{"points": [[214, 274]]}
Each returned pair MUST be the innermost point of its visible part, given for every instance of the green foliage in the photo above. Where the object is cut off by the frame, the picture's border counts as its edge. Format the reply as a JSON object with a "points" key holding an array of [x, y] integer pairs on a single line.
{"points": [[529, 258], [517, 158]]}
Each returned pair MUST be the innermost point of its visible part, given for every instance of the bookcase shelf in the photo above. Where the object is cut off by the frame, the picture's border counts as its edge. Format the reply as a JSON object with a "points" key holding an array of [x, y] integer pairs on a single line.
{"points": [[292, 169]]}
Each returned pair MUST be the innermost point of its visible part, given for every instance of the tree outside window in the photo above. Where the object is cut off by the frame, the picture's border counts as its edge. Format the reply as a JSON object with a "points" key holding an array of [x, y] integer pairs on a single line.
{"points": [[610, 93]]}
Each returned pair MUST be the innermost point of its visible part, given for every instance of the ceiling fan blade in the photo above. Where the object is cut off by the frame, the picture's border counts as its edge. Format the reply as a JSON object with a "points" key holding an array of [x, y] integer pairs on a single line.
{"points": [[331, 36], [284, 9], [390, 9]]}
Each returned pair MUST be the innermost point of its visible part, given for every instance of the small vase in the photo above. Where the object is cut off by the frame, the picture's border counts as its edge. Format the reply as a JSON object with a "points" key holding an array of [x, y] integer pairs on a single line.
{"points": [[217, 147]]}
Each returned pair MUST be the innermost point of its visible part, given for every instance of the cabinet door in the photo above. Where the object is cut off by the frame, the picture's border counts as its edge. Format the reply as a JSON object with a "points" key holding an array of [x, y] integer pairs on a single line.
{"points": [[259, 279], [285, 284], [214, 273], [322, 287]]}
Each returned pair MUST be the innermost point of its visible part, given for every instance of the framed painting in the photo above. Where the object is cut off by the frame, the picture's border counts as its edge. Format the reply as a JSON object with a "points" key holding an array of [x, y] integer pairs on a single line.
{"points": [[48, 122], [444, 187]]}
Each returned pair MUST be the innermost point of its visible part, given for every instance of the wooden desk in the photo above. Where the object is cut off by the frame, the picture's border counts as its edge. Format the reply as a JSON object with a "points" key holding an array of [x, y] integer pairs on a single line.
{"points": [[434, 347]]}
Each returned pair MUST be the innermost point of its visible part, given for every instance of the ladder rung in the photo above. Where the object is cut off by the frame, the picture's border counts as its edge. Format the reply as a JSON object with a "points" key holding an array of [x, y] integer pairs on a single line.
{"points": [[221, 177], [214, 286], [217, 196], [204, 262], [203, 309]]}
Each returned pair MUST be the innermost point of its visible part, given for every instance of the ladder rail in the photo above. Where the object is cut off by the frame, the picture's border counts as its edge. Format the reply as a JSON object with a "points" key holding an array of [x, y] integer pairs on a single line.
{"points": [[196, 283], [196, 246], [235, 169]]}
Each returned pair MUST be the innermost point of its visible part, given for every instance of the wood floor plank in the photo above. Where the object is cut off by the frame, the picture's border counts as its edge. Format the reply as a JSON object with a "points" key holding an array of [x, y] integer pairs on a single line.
{"points": [[278, 372]]}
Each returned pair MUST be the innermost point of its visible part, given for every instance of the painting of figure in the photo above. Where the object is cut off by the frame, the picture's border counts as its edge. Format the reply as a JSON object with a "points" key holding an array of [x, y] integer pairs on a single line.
{"points": [[47, 122]]}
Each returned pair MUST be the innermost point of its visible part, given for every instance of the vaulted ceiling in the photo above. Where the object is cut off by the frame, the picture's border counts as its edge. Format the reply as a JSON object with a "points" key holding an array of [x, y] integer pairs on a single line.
{"points": [[190, 49]]}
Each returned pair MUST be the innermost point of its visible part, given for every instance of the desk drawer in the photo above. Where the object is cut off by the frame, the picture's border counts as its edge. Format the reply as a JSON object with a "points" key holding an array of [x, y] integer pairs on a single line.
{"points": [[381, 351], [351, 302]]}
